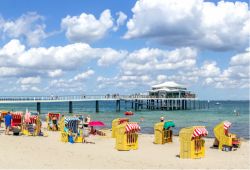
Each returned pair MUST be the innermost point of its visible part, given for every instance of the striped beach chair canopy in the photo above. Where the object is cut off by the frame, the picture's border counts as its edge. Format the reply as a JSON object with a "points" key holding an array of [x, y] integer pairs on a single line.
{"points": [[200, 131], [17, 115], [16, 118], [132, 127], [227, 125], [33, 119], [72, 123], [57, 115]]}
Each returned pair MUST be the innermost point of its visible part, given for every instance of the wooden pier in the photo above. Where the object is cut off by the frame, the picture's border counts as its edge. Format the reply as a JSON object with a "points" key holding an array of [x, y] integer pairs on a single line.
{"points": [[131, 102]]}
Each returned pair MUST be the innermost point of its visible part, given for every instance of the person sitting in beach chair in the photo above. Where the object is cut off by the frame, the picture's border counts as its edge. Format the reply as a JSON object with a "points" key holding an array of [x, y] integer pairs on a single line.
{"points": [[69, 128], [54, 123], [52, 120]]}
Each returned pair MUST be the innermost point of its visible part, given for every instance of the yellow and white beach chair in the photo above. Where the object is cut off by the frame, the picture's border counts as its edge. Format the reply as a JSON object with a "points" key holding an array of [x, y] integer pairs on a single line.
{"points": [[223, 139], [163, 133], [117, 122], [191, 143], [127, 136], [49, 120], [70, 123]]}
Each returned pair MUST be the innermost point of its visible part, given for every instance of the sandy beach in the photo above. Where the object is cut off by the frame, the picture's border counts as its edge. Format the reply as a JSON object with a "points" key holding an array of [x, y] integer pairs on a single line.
{"points": [[22, 152]]}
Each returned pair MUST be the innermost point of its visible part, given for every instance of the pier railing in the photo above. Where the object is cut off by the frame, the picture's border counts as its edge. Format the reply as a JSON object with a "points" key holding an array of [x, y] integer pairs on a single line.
{"points": [[5, 99]]}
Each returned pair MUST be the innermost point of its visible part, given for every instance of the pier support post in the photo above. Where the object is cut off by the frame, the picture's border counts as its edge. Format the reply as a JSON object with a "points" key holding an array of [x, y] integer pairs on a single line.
{"points": [[136, 104], [38, 107], [96, 106], [118, 108], [132, 104], [141, 104], [70, 107]]}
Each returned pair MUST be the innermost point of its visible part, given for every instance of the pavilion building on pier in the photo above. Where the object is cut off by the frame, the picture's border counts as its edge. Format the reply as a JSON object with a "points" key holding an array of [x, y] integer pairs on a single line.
{"points": [[170, 89]]}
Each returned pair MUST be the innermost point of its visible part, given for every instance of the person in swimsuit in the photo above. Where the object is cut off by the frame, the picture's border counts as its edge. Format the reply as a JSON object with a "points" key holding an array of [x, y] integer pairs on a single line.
{"points": [[54, 123]]}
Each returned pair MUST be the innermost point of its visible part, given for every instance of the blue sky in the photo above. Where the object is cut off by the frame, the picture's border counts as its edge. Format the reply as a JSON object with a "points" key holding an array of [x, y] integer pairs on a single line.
{"points": [[99, 47]]}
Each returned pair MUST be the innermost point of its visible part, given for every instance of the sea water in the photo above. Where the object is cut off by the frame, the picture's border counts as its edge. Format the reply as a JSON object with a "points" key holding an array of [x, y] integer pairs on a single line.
{"points": [[208, 117]]}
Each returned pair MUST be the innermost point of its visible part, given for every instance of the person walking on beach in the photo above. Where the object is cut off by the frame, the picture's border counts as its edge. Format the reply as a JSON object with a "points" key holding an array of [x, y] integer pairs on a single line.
{"points": [[7, 119]]}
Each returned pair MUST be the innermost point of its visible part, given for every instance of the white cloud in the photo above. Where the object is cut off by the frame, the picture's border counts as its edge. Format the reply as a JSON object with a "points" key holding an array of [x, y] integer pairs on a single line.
{"points": [[29, 27], [84, 75], [54, 59], [8, 71], [209, 69], [196, 23], [120, 20], [29, 80], [149, 60], [86, 28], [55, 73], [110, 56]]}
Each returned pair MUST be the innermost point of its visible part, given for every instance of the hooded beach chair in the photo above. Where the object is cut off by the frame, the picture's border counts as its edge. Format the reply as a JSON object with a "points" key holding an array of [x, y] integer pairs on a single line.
{"points": [[16, 119], [16, 122], [33, 127], [67, 123], [223, 138], [49, 118], [163, 133], [3, 113], [191, 143], [117, 122], [127, 136]]}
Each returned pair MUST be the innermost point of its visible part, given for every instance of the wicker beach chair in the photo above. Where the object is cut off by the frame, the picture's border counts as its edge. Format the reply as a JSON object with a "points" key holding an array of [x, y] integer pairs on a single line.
{"points": [[191, 143], [49, 122], [224, 139], [127, 136], [163, 133], [68, 123], [117, 122]]}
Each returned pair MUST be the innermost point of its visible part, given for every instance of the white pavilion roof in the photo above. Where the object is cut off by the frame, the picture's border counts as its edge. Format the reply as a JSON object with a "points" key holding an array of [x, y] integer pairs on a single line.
{"points": [[168, 84]]}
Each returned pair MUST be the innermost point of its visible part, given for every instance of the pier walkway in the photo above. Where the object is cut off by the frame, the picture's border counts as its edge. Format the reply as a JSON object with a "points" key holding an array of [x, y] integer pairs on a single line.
{"points": [[47, 99], [137, 102]]}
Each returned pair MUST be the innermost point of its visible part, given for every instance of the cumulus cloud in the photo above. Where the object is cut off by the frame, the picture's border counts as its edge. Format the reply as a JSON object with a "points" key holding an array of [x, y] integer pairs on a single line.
{"points": [[142, 70], [29, 27], [29, 80], [84, 75], [55, 59], [120, 20], [8, 71], [148, 60], [110, 56], [55, 73], [86, 28], [222, 26]]}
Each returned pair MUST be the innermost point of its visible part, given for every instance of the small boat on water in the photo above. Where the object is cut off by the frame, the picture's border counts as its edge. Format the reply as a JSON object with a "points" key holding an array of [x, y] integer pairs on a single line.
{"points": [[128, 113], [217, 103]]}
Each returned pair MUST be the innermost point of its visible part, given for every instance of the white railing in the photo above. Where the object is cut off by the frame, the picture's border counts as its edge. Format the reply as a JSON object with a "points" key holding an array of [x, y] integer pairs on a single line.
{"points": [[80, 98]]}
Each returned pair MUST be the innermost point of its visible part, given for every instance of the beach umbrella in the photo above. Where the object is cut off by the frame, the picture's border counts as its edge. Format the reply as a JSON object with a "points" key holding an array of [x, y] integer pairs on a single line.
{"points": [[96, 123], [27, 116]]}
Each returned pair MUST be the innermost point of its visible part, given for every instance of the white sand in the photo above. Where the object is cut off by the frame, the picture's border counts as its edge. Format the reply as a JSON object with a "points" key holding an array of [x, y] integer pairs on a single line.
{"points": [[49, 153]]}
